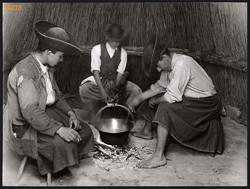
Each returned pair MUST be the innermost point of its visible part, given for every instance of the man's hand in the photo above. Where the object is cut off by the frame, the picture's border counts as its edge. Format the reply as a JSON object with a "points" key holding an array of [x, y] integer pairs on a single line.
{"points": [[113, 96], [152, 102], [69, 134], [105, 97], [155, 101], [74, 123]]}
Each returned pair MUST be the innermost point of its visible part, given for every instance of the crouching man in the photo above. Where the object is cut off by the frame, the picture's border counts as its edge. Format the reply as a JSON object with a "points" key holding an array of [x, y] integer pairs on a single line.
{"points": [[183, 103], [41, 124], [108, 65]]}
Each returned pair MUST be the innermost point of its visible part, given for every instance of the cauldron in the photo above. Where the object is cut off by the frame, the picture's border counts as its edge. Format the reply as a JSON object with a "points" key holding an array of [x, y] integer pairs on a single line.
{"points": [[114, 121]]}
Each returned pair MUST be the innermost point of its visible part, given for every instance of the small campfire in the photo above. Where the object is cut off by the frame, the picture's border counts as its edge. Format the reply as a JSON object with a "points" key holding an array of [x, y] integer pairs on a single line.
{"points": [[119, 153], [126, 156]]}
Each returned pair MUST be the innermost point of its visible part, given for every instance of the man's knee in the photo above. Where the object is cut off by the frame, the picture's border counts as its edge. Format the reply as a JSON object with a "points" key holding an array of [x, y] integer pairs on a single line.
{"points": [[83, 90], [86, 130], [133, 88]]}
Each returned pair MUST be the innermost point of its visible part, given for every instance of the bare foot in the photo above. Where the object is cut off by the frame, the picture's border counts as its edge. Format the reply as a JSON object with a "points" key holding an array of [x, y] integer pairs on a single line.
{"points": [[153, 162], [143, 135]]}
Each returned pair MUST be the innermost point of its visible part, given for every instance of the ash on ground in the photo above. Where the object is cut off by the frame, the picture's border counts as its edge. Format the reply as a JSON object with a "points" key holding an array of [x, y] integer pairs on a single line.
{"points": [[119, 157]]}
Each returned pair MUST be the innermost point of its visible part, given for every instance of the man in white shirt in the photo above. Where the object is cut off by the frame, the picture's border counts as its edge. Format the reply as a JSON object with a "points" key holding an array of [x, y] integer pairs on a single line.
{"points": [[108, 63], [182, 103]]}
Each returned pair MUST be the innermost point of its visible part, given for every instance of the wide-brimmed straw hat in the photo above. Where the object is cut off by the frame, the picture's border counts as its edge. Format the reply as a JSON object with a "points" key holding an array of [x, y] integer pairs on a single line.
{"points": [[115, 32], [151, 55], [56, 37]]}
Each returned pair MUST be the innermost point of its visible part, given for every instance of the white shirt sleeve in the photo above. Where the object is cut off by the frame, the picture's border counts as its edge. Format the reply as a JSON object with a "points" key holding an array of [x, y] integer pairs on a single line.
{"points": [[123, 63], [161, 85], [178, 82], [95, 58], [156, 87]]}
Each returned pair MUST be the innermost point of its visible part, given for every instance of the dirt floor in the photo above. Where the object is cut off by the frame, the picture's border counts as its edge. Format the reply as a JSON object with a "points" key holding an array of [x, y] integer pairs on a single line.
{"points": [[185, 167]]}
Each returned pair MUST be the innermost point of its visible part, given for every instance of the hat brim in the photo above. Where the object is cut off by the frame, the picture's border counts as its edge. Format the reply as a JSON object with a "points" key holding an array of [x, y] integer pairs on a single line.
{"points": [[67, 47], [151, 55]]}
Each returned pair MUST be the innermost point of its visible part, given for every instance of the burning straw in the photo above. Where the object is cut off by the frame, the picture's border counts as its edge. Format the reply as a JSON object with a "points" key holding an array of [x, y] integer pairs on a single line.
{"points": [[119, 154]]}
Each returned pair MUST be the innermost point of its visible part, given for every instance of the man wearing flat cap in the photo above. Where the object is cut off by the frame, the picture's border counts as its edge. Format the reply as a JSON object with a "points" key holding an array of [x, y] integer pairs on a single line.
{"points": [[182, 104], [41, 124], [108, 63]]}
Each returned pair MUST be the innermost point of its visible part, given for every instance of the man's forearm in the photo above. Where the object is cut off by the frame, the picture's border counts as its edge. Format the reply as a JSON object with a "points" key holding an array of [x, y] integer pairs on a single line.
{"points": [[148, 94], [98, 79], [118, 78]]}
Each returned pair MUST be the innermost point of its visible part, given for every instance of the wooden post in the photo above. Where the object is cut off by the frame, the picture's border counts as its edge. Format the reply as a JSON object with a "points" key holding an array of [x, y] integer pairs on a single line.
{"points": [[49, 179]]}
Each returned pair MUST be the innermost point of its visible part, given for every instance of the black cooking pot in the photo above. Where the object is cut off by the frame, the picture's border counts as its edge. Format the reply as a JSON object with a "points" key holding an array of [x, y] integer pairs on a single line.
{"points": [[114, 138], [114, 122]]}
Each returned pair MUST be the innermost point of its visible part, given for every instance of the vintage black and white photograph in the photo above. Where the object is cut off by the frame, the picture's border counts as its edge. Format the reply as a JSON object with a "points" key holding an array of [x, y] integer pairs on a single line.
{"points": [[124, 94]]}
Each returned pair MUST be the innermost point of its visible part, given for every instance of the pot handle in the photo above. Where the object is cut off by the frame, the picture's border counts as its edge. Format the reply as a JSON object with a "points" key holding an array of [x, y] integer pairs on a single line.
{"points": [[128, 110], [100, 111], [110, 104]]}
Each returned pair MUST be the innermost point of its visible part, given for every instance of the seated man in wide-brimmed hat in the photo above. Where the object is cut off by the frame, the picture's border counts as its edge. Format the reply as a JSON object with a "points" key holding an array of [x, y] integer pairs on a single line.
{"points": [[41, 124], [183, 104], [108, 64]]}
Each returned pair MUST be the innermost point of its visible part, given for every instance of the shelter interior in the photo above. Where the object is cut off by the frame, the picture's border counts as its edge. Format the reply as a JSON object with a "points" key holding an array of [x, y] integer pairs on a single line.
{"points": [[213, 33]]}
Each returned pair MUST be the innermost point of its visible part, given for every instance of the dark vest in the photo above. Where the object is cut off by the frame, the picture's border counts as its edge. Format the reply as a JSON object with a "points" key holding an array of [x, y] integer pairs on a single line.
{"points": [[109, 65]]}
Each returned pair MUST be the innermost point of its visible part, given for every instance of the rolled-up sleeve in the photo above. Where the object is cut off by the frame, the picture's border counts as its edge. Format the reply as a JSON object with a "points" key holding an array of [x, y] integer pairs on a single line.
{"points": [[162, 83], [29, 103], [95, 58], [122, 66], [178, 83], [156, 87]]}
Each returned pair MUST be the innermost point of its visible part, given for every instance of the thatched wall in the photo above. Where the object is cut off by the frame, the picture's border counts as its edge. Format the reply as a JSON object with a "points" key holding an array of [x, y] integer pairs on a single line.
{"points": [[214, 28]]}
